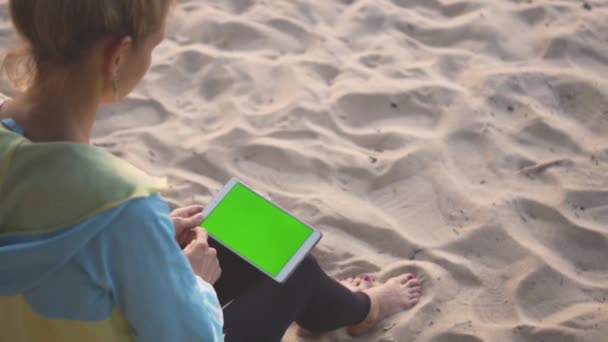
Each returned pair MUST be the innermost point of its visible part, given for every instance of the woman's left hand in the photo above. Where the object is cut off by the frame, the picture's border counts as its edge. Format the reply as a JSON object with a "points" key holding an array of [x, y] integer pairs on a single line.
{"points": [[185, 220]]}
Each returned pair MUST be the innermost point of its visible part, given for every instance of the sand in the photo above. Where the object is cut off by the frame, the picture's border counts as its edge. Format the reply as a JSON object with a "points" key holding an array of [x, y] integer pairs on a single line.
{"points": [[465, 141]]}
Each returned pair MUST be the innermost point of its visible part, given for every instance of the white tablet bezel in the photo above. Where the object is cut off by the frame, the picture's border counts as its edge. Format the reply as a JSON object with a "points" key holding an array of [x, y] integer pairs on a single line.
{"points": [[293, 263]]}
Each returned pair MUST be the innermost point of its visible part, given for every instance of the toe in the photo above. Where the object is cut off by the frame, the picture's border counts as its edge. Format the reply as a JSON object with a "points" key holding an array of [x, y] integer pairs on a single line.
{"points": [[366, 283], [349, 284], [415, 289], [413, 283], [410, 303], [405, 278], [414, 295], [366, 286]]}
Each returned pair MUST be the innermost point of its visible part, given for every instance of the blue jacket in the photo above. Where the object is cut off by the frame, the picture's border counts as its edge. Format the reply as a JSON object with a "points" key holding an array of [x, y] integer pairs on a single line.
{"points": [[87, 251]]}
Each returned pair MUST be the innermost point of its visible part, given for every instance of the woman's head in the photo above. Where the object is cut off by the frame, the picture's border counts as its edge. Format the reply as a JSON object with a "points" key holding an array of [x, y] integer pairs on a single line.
{"points": [[113, 38]]}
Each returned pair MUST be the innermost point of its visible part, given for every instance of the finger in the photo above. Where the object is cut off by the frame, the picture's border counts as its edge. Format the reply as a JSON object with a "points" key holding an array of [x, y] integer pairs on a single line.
{"points": [[188, 211], [201, 235], [186, 237], [218, 275], [194, 221], [182, 223], [200, 240], [190, 247], [179, 223], [201, 244]]}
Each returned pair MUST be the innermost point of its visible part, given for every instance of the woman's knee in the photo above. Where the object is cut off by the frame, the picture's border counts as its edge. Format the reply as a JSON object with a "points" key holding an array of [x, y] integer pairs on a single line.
{"points": [[309, 270]]}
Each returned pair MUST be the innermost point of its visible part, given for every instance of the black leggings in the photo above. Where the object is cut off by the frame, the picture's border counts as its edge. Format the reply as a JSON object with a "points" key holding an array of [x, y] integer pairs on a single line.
{"points": [[262, 310]]}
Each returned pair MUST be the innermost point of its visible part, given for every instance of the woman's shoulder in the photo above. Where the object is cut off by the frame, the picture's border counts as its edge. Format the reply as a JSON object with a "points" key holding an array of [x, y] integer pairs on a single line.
{"points": [[66, 184], [134, 216]]}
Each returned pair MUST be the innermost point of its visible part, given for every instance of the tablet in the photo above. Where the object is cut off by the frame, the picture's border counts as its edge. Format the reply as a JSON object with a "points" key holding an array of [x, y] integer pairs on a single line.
{"points": [[259, 231]]}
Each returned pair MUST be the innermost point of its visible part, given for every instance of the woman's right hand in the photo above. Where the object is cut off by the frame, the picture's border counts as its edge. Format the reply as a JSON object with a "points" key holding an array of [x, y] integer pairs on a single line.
{"points": [[203, 258]]}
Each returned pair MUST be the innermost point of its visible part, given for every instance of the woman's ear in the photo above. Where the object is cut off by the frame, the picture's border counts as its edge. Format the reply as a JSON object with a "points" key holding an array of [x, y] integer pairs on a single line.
{"points": [[116, 55]]}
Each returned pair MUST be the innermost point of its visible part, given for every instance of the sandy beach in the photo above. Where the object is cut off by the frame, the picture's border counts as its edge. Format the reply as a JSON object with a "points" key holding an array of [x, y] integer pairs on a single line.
{"points": [[465, 141]]}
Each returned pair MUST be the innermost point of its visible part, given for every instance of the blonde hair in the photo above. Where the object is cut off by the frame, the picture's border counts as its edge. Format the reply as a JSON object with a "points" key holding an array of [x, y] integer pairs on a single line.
{"points": [[62, 32]]}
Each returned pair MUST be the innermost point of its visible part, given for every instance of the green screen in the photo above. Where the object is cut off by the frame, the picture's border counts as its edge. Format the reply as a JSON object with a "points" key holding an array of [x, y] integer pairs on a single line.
{"points": [[256, 229]]}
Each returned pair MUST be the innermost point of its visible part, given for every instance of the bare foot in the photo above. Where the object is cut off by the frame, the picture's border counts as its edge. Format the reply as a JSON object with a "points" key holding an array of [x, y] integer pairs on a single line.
{"points": [[359, 284], [398, 294]]}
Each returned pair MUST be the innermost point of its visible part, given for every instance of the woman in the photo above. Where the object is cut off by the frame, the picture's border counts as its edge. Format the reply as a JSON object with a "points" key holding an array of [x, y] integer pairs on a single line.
{"points": [[88, 248]]}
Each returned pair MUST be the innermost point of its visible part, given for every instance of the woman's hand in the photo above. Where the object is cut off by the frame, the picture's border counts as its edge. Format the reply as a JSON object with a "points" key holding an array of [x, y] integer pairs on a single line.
{"points": [[194, 242], [203, 258], [185, 220]]}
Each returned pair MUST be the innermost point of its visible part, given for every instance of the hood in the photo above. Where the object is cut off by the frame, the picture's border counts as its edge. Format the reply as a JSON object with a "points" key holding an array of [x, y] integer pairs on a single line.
{"points": [[26, 261], [54, 198]]}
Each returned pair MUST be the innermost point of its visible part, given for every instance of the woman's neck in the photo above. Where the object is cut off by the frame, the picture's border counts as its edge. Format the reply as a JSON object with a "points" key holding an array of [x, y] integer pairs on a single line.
{"points": [[64, 111]]}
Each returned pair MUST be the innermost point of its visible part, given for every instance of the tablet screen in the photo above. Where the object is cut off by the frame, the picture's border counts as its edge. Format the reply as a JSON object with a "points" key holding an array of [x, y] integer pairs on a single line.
{"points": [[256, 229]]}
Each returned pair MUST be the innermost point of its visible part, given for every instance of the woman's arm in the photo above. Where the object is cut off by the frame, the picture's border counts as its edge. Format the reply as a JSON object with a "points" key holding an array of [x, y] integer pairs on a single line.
{"points": [[139, 260]]}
